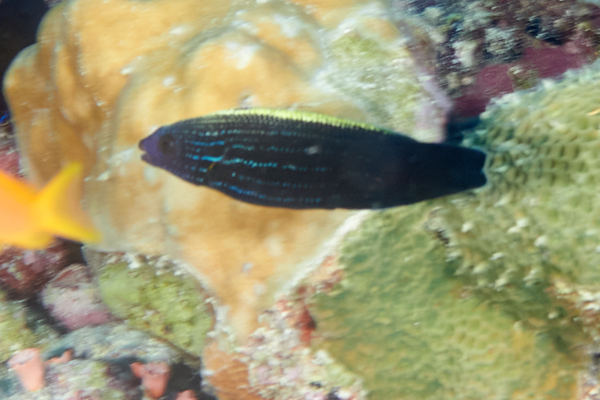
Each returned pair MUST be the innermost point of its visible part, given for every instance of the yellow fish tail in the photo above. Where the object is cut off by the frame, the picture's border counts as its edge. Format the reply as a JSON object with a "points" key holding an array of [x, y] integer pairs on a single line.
{"points": [[58, 209]]}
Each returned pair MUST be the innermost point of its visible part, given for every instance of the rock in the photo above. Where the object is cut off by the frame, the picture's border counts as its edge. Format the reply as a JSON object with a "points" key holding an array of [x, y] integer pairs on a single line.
{"points": [[74, 300], [155, 296], [14, 333], [24, 272]]}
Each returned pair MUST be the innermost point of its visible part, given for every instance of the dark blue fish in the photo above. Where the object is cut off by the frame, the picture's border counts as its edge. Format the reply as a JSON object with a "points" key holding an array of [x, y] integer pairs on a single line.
{"points": [[303, 160]]}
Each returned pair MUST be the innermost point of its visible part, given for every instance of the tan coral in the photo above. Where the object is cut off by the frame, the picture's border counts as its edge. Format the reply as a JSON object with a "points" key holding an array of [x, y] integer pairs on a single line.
{"points": [[106, 73]]}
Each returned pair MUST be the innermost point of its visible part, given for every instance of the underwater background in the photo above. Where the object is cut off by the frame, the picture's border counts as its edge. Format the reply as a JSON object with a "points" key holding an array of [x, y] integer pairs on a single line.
{"points": [[490, 293]]}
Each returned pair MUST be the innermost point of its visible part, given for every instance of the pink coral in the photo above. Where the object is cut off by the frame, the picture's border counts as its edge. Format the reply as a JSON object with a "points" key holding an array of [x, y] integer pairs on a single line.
{"points": [[544, 61], [9, 158], [29, 367], [154, 377]]}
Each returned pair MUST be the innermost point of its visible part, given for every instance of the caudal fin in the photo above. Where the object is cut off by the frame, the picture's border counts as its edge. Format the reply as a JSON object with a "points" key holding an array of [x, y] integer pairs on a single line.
{"points": [[59, 210]]}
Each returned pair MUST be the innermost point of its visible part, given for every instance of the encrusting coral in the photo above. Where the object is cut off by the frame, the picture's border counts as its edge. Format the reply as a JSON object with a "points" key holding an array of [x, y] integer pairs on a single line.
{"points": [[398, 320], [105, 73]]}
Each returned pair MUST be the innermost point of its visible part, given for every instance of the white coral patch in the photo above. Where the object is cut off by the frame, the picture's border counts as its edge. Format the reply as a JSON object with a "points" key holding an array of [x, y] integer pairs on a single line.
{"points": [[150, 174], [241, 53], [168, 81], [178, 30], [290, 26]]}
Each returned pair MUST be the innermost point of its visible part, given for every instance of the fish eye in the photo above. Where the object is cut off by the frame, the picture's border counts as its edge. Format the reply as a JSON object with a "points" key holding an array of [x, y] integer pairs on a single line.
{"points": [[166, 144]]}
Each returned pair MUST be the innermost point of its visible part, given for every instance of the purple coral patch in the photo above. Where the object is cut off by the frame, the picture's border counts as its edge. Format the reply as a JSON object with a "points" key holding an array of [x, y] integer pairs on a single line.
{"points": [[73, 299], [24, 272], [545, 61]]}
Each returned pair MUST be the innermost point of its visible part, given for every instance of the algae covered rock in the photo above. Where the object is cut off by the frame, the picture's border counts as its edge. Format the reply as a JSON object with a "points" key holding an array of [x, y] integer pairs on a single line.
{"points": [[15, 333], [157, 299], [401, 322]]}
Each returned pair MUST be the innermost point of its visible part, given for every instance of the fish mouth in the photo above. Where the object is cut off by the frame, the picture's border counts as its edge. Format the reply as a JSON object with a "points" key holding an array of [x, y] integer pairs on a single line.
{"points": [[145, 156]]}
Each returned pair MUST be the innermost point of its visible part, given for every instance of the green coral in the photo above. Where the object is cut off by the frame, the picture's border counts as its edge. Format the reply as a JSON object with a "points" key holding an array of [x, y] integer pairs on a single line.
{"points": [[159, 301], [401, 322], [538, 219]]}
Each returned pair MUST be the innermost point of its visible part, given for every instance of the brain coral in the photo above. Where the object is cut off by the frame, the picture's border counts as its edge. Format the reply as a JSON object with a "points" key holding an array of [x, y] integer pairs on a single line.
{"points": [[105, 73]]}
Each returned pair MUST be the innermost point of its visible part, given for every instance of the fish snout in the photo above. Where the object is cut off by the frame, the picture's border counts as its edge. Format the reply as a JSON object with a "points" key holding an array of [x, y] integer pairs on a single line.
{"points": [[143, 146]]}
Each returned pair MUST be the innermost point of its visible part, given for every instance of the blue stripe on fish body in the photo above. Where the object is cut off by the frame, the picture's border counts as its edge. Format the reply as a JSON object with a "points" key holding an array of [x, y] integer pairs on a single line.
{"points": [[304, 160]]}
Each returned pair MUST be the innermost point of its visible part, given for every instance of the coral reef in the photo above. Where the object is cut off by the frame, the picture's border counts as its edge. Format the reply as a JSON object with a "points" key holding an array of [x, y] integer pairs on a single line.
{"points": [[9, 158], [499, 79], [277, 362], [76, 380], [154, 377], [29, 367], [98, 366], [109, 72], [116, 342], [489, 294]]}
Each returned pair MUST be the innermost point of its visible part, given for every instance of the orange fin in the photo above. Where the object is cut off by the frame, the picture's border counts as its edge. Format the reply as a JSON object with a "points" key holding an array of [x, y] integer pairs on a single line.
{"points": [[59, 210]]}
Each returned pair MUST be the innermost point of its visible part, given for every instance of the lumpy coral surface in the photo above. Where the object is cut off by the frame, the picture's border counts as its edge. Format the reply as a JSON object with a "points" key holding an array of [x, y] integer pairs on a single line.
{"points": [[400, 321], [106, 73], [536, 223]]}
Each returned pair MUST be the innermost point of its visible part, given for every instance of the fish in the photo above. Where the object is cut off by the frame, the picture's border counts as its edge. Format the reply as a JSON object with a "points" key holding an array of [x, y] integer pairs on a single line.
{"points": [[303, 160], [30, 218]]}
